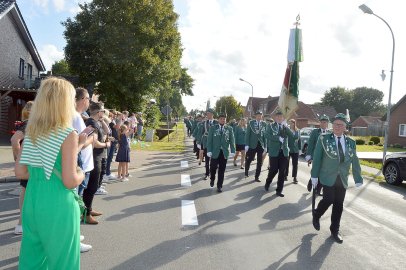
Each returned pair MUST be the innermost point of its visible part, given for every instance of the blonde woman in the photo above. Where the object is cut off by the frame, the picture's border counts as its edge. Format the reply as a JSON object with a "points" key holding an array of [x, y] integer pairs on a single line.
{"points": [[240, 141], [16, 141], [50, 214]]}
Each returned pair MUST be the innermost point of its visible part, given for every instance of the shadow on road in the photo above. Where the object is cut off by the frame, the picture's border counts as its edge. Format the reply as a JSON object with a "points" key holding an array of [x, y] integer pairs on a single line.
{"points": [[401, 189]]}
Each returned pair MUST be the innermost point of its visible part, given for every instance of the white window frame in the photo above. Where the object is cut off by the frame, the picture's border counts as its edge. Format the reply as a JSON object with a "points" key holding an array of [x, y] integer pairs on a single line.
{"points": [[404, 130]]}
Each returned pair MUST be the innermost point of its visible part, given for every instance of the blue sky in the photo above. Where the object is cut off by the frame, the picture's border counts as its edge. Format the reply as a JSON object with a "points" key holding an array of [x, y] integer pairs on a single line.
{"points": [[224, 40]]}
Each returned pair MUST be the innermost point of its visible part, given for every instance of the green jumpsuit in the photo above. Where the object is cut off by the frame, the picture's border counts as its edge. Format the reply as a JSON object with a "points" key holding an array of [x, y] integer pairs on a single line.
{"points": [[51, 219]]}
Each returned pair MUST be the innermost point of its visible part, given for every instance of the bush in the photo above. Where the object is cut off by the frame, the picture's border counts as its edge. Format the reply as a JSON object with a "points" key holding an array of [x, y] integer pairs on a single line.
{"points": [[380, 144], [396, 145], [359, 142], [375, 139], [370, 143]]}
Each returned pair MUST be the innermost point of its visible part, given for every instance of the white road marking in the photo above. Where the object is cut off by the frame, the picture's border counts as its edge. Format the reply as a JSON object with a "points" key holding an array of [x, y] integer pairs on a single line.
{"points": [[6, 199], [184, 164], [189, 217], [185, 180]]}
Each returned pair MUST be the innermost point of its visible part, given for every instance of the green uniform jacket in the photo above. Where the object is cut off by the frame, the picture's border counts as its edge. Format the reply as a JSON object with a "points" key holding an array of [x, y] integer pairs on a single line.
{"points": [[326, 165], [195, 129], [217, 141], [203, 132], [272, 140], [293, 142], [239, 135], [311, 145], [188, 123], [255, 134]]}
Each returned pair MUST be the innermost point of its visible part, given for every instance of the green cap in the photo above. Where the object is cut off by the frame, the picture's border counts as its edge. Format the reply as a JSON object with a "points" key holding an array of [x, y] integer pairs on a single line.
{"points": [[324, 117], [258, 112], [340, 116], [210, 110], [277, 111]]}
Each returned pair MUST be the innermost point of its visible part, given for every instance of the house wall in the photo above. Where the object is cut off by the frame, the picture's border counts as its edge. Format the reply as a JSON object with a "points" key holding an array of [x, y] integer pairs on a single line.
{"points": [[359, 122], [12, 48], [398, 116]]}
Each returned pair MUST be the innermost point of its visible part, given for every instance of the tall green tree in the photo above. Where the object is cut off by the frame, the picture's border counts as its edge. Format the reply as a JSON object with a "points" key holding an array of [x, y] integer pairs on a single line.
{"points": [[337, 97], [61, 67], [131, 48], [229, 105]]}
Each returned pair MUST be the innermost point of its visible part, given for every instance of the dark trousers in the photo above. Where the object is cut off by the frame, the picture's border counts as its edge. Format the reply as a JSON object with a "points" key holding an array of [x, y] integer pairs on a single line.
{"points": [[250, 157], [92, 185], [295, 161], [195, 149], [110, 154], [278, 165], [332, 196], [219, 163], [206, 162], [102, 170], [189, 131]]}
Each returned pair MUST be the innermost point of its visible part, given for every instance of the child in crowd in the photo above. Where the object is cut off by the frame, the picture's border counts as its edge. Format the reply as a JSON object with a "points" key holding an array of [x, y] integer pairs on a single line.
{"points": [[123, 153]]}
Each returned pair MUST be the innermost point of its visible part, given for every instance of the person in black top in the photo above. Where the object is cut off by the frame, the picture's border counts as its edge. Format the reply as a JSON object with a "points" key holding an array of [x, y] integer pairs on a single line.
{"points": [[96, 114]]}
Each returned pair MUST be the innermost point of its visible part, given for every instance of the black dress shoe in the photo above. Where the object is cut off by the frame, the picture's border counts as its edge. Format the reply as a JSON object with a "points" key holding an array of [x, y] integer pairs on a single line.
{"points": [[337, 237], [219, 190], [294, 180], [266, 187], [286, 179], [200, 163], [246, 174], [309, 185], [205, 177], [316, 222], [257, 180], [280, 194], [211, 183]]}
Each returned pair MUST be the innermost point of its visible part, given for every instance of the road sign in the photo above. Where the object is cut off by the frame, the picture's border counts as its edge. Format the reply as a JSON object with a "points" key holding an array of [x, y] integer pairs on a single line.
{"points": [[167, 110]]}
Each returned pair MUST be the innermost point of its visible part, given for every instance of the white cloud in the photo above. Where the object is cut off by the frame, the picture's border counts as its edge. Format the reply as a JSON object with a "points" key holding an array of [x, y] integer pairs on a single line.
{"points": [[49, 54], [226, 40]]}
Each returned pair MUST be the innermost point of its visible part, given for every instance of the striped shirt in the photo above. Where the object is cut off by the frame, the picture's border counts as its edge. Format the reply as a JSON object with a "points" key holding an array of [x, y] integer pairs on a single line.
{"points": [[43, 154]]}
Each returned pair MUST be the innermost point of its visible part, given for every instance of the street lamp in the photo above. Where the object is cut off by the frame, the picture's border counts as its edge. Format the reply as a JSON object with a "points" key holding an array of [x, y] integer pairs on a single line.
{"points": [[367, 10], [252, 94]]}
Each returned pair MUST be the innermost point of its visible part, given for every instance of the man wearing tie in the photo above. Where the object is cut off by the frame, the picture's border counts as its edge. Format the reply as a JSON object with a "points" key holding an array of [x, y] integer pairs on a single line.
{"points": [[314, 135], [219, 140], [333, 156], [255, 144], [201, 140], [277, 137]]}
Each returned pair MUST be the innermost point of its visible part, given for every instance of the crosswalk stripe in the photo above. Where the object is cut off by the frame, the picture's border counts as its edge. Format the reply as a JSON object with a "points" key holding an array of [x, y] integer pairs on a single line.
{"points": [[189, 216], [185, 180], [184, 164]]}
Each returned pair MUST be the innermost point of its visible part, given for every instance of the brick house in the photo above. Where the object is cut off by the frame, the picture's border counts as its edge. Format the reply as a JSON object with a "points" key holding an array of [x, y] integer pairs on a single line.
{"points": [[397, 127], [367, 126], [305, 116], [20, 65]]}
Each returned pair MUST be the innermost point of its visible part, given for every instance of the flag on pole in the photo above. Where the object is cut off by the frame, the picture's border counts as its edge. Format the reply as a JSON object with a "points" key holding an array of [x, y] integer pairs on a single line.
{"points": [[289, 97]]}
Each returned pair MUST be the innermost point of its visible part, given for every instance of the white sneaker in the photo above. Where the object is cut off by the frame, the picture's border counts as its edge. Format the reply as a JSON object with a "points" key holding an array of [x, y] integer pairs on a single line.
{"points": [[18, 230], [110, 177], [101, 191], [82, 238], [124, 179], [85, 247]]}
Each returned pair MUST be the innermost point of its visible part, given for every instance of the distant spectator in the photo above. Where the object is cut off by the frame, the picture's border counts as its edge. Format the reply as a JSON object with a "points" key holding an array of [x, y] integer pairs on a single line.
{"points": [[140, 125], [123, 154]]}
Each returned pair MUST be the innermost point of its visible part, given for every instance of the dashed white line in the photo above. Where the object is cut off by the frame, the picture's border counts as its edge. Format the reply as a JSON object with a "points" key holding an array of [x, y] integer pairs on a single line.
{"points": [[185, 180], [189, 216], [184, 164]]}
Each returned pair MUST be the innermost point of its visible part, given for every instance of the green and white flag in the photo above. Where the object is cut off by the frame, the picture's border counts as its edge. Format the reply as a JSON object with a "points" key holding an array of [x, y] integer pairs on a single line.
{"points": [[289, 97]]}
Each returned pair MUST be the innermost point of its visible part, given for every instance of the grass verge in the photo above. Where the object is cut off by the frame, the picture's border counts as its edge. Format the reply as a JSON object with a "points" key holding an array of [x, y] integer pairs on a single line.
{"points": [[372, 164], [377, 178], [176, 142], [377, 148]]}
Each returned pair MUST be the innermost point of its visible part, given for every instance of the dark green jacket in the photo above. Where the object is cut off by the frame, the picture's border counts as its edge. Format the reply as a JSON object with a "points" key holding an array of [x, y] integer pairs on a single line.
{"points": [[203, 132], [217, 140], [293, 142], [272, 140], [239, 135], [311, 145], [326, 165], [255, 134]]}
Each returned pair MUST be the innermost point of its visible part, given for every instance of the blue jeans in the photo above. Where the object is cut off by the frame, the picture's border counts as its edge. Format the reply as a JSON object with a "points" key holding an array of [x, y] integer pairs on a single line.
{"points": [[110, 154], [139, 131], [83, 185]]}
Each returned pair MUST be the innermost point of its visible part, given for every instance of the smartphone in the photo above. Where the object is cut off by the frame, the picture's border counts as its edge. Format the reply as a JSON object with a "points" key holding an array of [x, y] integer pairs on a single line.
{"points": [[88, 130]]}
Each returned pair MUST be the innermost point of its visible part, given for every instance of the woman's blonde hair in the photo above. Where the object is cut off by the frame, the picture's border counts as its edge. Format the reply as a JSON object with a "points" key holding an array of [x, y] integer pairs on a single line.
{"points": [[294, 122], [54, 108], [242, 122], [122, 130], [25, 113]]}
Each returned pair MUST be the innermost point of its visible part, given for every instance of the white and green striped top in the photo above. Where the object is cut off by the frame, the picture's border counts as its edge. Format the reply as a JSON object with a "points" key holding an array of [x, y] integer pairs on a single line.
{"points": [[43, 154]]}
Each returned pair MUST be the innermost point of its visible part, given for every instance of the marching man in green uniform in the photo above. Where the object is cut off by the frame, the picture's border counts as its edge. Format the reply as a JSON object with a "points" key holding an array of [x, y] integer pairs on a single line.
{"points": [[201, 140], [314, 135], [277, 137], [332, 158], [255, 144], [219, 140], [195, 124]]}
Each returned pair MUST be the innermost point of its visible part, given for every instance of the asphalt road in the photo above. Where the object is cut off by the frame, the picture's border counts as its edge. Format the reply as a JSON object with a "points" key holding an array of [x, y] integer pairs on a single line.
{"points": [[242, 228]]}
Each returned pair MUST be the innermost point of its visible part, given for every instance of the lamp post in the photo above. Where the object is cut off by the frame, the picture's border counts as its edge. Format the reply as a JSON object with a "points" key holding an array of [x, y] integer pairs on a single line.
{"points": [[367, 10], [252, 94]]}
